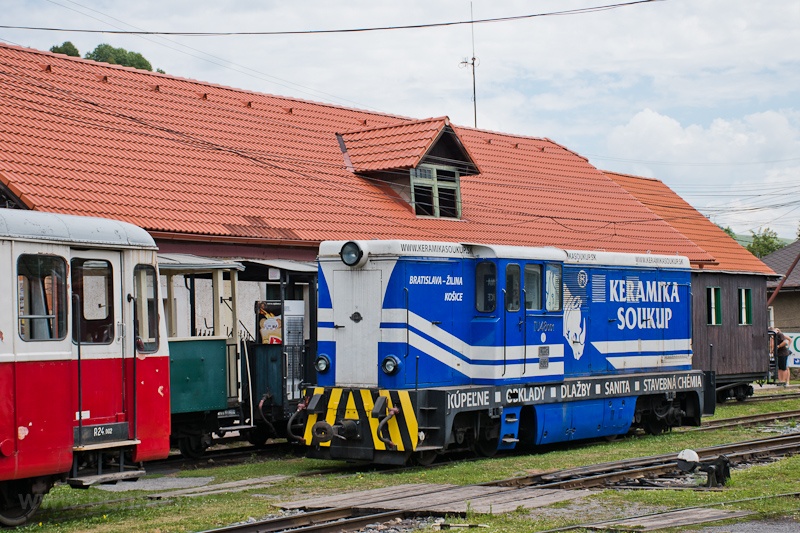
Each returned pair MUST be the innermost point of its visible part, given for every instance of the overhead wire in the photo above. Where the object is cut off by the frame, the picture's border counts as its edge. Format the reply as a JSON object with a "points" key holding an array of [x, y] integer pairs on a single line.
{"points": [[565, 12]]}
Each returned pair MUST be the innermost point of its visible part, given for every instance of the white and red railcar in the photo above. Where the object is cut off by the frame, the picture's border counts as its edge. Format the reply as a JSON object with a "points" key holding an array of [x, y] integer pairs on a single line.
{"points": [[84, 366]]}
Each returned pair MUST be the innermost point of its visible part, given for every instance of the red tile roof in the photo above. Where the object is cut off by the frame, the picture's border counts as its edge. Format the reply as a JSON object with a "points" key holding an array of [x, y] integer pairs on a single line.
{"points": [[192, 160], [728, 254], [399, 146]]}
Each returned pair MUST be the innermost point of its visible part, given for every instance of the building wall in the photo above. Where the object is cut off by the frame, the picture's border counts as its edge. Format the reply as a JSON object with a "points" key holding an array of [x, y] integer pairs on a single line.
{"points": [[786, 310], [738, 350]]}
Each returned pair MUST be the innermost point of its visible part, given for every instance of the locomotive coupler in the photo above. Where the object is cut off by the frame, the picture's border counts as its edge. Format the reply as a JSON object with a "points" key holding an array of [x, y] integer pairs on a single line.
{"points": [[348, 429]]}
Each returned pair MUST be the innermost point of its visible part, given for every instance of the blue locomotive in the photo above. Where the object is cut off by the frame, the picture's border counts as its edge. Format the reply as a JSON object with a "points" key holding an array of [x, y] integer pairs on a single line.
{"points": [[429, 347]]}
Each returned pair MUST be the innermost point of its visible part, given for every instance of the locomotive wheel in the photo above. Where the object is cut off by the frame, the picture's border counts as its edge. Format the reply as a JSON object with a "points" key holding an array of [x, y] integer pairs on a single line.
{"points": [[20, 500], [654, 427], [191, 447], [258, 436], [425, 458], [741, 393], [485, 447]]}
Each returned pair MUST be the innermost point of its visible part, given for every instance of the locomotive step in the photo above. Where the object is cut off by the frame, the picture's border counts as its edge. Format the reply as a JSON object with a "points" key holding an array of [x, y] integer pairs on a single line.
{"points": [[237, 427], [106, 445], [87, 481], [509, 440], [427, 448]]}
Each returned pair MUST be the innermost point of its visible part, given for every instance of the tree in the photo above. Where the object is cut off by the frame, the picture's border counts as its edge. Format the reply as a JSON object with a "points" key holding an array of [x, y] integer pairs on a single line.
{"points": [[66, 48], [728, 230], [764, 243], [105, 53]]}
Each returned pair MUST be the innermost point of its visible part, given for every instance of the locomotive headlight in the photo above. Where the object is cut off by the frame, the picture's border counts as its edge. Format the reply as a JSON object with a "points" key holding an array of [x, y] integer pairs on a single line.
{"points": [[390, 365], [352, 254], [322, 364]]}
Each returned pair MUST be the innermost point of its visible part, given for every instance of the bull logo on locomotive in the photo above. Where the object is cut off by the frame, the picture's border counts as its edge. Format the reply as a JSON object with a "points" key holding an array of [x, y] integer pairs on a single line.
{"points": [[574, 324]]}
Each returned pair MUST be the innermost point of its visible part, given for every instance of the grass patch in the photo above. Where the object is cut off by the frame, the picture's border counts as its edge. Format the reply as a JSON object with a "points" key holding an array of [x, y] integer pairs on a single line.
{"points": [[132, 511]]}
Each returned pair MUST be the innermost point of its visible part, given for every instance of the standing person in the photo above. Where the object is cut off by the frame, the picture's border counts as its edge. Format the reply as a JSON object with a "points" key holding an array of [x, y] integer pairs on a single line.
{"points": [[782, 356]]}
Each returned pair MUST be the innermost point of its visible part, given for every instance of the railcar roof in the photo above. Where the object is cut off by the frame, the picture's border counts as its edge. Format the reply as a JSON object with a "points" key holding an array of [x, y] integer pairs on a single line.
{"points": [[20, 224], [194, 263], [330, 249]]}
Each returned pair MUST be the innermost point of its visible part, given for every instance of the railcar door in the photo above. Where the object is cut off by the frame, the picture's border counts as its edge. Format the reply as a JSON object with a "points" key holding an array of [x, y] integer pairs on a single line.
{"points": [[514, 333], [35, 359], [544, 334], [357, 298], [97, 336]]}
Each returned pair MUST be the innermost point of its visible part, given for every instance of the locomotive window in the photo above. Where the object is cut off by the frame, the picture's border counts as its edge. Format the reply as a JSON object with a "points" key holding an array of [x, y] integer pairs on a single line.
{"points": [[93, 318], [485, 287], [145, 320], [745, 307], [533, 287], [553, 287], [713, 306], [512, 288], [41, 297]]}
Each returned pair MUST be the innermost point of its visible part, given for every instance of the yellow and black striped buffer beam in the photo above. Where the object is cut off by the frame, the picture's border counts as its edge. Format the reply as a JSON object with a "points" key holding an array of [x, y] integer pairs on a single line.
{"points": [[339, 404]]}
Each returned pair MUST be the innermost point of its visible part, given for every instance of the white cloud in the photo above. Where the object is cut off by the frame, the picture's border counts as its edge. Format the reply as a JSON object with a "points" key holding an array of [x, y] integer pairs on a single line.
{"points": [[744, 173]]}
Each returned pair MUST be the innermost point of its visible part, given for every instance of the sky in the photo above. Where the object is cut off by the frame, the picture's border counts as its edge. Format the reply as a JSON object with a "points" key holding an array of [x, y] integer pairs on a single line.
{"points": [[701, 94]]}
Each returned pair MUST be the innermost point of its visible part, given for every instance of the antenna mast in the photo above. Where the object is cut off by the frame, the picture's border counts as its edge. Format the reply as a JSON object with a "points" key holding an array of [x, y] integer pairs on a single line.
{"points": [[473, 64]]}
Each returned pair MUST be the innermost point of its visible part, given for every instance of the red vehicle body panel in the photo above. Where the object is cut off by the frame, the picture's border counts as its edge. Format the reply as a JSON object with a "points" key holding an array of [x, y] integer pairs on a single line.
{"points": [[153, 414], [36, 430], [38, 425]]}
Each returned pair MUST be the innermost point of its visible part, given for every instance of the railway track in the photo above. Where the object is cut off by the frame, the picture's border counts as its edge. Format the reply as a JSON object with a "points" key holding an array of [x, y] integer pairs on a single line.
{"points": [[648, 467], [774, 397], [326, 521], [219, 457], [747, 420], [604, 475]]}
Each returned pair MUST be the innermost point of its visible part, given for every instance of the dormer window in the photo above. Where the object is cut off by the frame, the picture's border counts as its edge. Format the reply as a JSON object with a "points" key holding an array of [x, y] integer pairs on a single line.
{"points": [[435, 191]]}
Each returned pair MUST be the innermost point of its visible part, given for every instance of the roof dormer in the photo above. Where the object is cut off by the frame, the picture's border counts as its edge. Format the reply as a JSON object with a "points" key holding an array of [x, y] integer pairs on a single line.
{"points": [[422, 161]]}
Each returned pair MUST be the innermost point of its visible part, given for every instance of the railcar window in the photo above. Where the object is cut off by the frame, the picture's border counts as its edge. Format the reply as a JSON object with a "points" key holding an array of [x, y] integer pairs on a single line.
{"points": [[714, 306], [92, 281], [485, 287], [145, 293], [512, 287], [41, 297], [553, 287], [745, 307], [533, 287]]}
